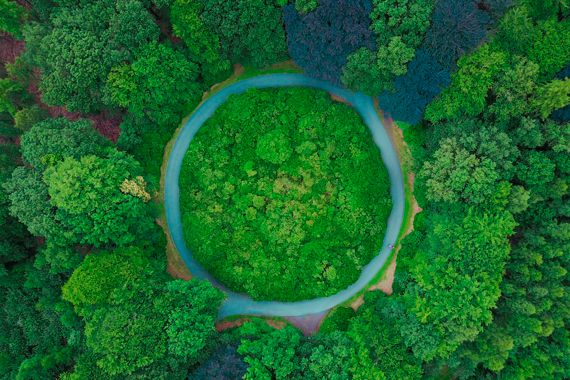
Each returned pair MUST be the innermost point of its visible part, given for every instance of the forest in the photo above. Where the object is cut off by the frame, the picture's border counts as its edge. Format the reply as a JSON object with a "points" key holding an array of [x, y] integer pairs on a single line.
{"points": [[92, 93]]}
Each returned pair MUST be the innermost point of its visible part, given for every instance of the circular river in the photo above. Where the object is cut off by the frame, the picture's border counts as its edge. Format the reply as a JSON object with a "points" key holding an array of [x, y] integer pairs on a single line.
{"points": [[239, 304]]}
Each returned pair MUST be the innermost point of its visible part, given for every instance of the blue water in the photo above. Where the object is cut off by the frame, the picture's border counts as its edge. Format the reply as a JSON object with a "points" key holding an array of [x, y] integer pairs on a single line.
{"points": [[239, 304]]}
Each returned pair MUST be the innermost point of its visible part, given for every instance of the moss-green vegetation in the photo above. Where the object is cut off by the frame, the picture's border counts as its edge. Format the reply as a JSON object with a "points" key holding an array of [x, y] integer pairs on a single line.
{"points": [[284, 195]]}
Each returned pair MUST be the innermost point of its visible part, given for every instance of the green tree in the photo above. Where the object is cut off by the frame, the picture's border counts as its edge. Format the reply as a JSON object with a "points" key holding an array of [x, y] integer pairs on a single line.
{"points": [[29, 202], [92, 283], [250, 31], [10, 93], [273, 354], [305, 6], [470, 84], [454, 283], [90, 203], [328, 356], [26, 118], [399, 27], [159, 84], [456, 175], [552, 96], [375, 331], [11, 16], [202, 44], [513, 88], [274, 147], [52, 140], [79, 46], [408, 19], [362, 73], [138, 323]]}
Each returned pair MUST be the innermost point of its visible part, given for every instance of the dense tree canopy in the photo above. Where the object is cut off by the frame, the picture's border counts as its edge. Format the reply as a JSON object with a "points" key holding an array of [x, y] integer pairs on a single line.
{"points": [[399, 28], [203, 45], [79, 46], [304, 195], [11, 14], [457, 26], [321, 40], [134, 323], [250, 31], [481, 288], [157, 85], [54, 139], [92, 202], [413, 91]]}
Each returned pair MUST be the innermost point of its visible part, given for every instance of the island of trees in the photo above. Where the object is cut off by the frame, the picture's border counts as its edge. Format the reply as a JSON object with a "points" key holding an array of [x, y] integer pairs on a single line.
{"points": [[284, 195]]}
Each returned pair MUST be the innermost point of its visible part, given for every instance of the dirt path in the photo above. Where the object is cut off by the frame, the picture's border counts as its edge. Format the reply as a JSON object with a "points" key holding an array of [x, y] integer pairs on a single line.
{"points": [[226, 325], [387, 280], [308, 324]]}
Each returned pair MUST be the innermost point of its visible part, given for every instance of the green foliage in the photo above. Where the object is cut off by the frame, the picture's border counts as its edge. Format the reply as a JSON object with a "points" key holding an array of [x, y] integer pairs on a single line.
{"points": [[9, 93], [26, 118], [29, 202], [274, 147], [408, 19], [457, 175], [92, 283], [552, 96], [90, 203], [203, 46], [145, 141], [362, 73], [399, 28], [466, 96], [79, 46], [137, 322], [158, 85], [379, 345], [543, 41], [328, 357], [271, 170], [297, 208], [52, 140], [454, 284], [547, 8], [250, 31], [11, 15], [36, 341], [337, 320], [272, 355], [513, 88], [306, 6]]}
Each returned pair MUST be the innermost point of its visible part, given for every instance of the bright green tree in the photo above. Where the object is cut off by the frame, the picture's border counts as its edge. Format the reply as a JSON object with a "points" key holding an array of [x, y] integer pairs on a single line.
{"points": [[158, 85], [552, 96], [90, 203], [202, 44]]}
